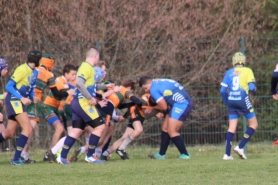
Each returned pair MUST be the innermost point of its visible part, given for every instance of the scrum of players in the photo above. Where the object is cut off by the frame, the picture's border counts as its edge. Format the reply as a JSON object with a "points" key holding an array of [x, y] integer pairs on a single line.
{"points": [[83, 102]]}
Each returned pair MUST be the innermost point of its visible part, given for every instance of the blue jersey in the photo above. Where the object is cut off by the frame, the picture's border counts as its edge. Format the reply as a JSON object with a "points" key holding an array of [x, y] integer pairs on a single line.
{"points": [[170, 90], [238, 80]]}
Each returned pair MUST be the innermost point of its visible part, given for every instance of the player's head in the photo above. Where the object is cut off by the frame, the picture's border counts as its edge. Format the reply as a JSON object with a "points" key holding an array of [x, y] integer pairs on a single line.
{"points": [[239, 59], [130, 84], [92, 56], [99, 74], [3, 66], [34, 56], [47, 61], [69, 72], [145, 82], [103, 66]]}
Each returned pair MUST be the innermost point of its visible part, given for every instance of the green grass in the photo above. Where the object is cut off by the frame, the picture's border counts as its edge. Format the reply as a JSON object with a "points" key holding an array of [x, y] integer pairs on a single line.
{"points": [[206, 167]]}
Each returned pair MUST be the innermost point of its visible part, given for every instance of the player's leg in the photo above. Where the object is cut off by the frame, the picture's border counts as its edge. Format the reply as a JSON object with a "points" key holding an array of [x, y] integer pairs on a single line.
{"points": [[99, 126], [137, 130], [117, 143], [253, 125], [164, 142], [175, 121], [25, 153], [233, 120], [24, 122], [104, 146]]}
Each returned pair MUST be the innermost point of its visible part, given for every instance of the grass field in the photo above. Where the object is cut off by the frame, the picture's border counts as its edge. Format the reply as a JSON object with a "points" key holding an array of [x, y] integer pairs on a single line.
{"points": [[205, 167]]}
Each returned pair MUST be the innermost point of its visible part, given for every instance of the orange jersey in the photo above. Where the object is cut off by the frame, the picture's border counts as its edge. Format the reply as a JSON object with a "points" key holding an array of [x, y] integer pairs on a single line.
{"points": [[70, 97], [62, 85], [61, 105], [145, 104], [119, 97], [45, 79]]}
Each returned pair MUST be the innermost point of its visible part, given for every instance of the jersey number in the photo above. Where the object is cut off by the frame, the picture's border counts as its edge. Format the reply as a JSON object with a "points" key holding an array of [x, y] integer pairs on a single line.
{"points": [[235, 83]]}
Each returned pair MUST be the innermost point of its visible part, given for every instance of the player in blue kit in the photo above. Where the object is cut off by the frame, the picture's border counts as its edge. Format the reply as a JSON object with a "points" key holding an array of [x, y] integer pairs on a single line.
{"points": [[20, 92], [171, 96], [235, 87]]}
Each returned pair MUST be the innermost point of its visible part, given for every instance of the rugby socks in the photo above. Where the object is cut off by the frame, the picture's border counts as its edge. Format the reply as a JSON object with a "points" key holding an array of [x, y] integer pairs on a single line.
{"points": [[25, 155], [22, 140], [106, 153], [58, 145], [1, 138], [179, 144], [249, 132], [83, 149], [93, 141], [229, 139], [98, 151], [69, 141], [107, 144], [126, 142], [165, 141]]}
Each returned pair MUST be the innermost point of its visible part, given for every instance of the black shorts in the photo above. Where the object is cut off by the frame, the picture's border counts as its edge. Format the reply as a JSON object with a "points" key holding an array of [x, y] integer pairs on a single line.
{"points": [[93, 123]]}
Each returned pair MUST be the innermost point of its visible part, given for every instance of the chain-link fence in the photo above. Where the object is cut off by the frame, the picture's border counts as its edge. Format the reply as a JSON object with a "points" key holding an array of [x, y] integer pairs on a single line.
{"points": [[197, 64]]}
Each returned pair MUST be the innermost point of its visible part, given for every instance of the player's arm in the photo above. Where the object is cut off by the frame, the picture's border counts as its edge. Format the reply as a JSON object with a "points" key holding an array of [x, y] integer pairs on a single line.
{"points": [[80, 84], [224, 88], [158, 98], [11, 85], [134, 99], [274, 81], [251, 81]]}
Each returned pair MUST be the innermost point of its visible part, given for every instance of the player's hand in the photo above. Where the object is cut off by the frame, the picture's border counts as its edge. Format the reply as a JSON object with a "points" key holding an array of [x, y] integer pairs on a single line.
{"points": [[25, 101], [5, 94], [117, 88], [275, 96], [148, 109], [121, 118], [35, 99], [110, 86], [159, 115], [92, 101], [1, 117], [71, 91], [102, 103]]}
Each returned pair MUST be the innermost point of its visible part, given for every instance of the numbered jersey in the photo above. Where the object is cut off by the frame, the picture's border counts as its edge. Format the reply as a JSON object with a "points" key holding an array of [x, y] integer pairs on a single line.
{"points": [[237, 80], [170, 90]]}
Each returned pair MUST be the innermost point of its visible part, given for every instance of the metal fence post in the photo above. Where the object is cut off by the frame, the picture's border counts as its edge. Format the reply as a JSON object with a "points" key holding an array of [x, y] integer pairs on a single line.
{"points": [[242, 43]]}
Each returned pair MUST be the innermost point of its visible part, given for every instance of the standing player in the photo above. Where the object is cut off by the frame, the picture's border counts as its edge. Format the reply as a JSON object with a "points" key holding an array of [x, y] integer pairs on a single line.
{"points": [[51, 104], [235, 87], [83, 109], [3, 72], [19, 90], [44, 79], [169, 93]]}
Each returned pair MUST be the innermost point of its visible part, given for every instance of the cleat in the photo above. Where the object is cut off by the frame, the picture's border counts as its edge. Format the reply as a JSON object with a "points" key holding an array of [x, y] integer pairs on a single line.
{"points": [[183, 156], [50, 156], [76, 155], [240, 152], [227, 158], [45, 157], [276, 142], [105, 158], [61, 160], [19, 162], [28, 161], [122, 154], [157, 156], [93, 159]]}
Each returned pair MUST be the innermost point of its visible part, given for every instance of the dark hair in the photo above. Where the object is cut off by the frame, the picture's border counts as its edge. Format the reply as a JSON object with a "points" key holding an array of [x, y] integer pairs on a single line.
{"points": [[129, 83], [152, 102], [144, 80], [102, 63], [68, 67]]}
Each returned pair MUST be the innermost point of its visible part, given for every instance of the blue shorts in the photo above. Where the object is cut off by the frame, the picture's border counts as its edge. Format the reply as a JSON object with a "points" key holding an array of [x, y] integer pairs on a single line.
{"points": [[236, 108], [180, 111], [14, 107]]}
